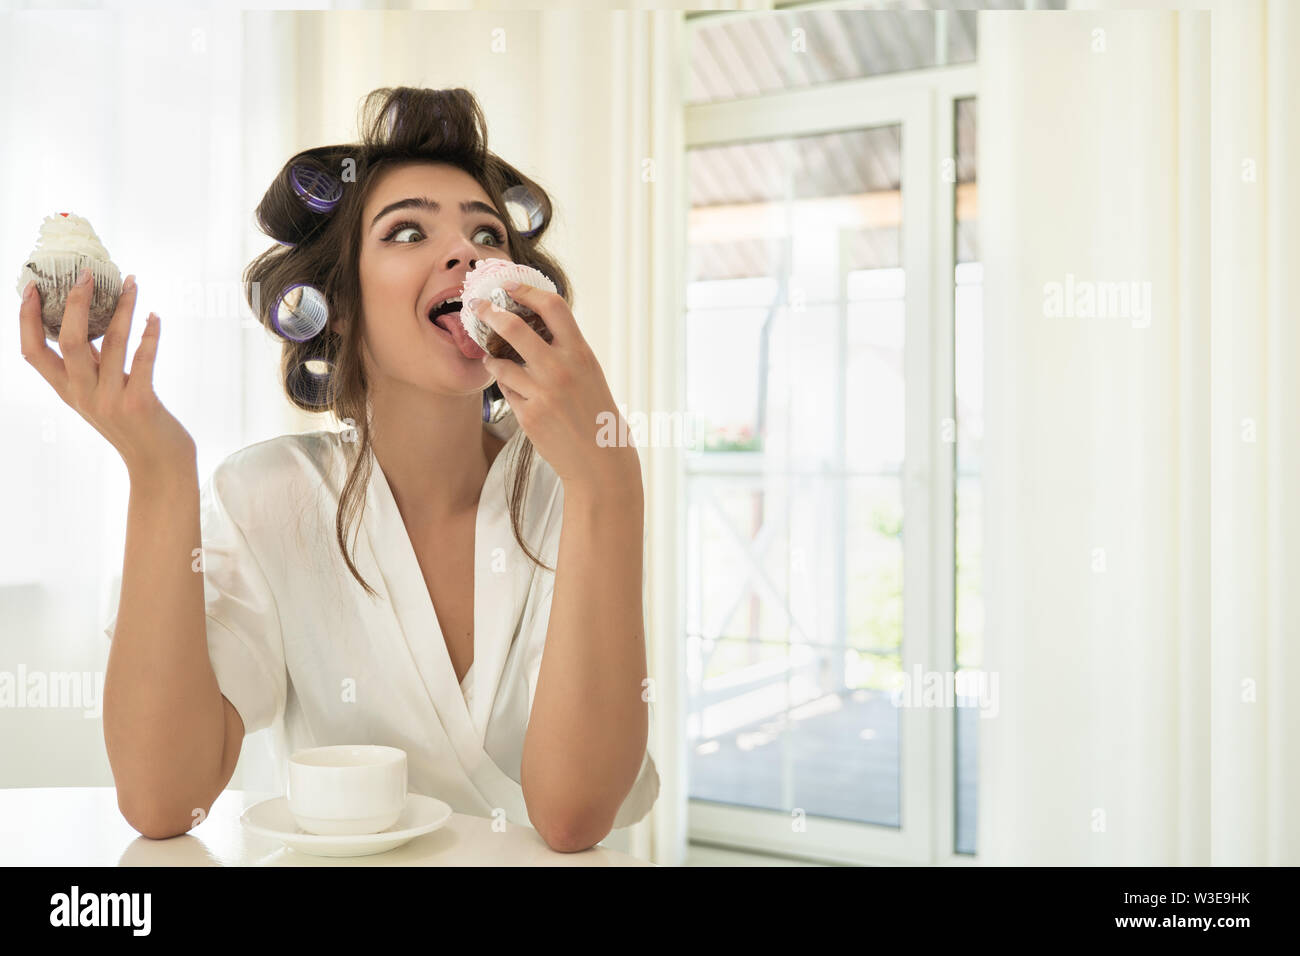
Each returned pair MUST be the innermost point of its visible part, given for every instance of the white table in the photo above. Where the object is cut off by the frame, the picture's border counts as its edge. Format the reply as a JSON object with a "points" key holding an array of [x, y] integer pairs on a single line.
{"points": [[82, 826]]}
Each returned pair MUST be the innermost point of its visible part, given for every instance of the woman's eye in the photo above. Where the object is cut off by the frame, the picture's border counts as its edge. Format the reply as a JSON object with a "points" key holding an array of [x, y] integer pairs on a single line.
{"points": [[495, 236], [494, 233]]}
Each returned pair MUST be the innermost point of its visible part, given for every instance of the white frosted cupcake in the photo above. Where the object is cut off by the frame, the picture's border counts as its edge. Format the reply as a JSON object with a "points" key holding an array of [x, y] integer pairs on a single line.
{"points": [[484, 282], [67, 244]]}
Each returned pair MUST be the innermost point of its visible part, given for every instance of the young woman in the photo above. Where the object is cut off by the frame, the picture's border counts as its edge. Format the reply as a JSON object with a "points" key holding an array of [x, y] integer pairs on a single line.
{"points": [[403, 580]]}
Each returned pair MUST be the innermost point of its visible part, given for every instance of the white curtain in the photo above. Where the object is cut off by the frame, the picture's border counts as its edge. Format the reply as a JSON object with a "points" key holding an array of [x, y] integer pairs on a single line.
{"points": [[1143, 518], [185, 119], [161, 129]]}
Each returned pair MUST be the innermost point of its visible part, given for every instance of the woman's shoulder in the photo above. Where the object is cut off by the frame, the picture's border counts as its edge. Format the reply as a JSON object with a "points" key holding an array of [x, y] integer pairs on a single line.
{"points": [[295, 450], [291, 463]]}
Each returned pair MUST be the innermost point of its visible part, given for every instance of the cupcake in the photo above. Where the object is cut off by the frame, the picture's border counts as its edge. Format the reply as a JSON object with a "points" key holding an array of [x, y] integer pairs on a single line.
{"points": [[483, 283], [67, 244]]}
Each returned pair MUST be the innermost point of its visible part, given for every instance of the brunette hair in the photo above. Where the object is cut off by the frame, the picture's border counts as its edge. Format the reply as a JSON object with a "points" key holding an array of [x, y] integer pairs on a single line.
{"points": [[398, 125]]}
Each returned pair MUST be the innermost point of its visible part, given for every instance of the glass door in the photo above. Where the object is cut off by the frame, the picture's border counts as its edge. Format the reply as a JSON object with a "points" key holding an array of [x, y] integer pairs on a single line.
{"points": [[808, 336]]}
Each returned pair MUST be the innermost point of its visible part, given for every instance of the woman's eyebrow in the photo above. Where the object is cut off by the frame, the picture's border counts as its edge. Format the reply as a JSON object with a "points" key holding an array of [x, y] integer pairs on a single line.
{"points": [[432, 206]]}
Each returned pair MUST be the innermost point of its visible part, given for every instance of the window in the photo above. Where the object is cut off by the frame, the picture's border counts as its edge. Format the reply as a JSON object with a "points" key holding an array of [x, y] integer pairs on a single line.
{"points": [[795, 330], [832, 337]]}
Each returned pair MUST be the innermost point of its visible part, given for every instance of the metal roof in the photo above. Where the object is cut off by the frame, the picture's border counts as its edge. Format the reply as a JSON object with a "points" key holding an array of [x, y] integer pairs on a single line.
{"points": [[731, 187], [737, 54]]}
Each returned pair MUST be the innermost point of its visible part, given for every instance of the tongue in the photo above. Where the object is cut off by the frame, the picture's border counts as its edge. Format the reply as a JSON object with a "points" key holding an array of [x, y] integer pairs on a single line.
{"points": [[468, 347]]}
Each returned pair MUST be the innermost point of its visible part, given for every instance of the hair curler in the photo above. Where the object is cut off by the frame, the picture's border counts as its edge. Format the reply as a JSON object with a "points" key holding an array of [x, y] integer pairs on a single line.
{"points": [[300, 313], [319, 190], [309, 380], [524, 198]]}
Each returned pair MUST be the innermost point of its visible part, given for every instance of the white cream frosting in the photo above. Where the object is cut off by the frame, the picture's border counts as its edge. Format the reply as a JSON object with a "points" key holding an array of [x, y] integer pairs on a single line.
{"points": [[69, 235]]}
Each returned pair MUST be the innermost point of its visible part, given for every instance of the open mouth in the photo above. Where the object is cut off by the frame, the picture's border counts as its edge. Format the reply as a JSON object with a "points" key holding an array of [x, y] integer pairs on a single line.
{"points": [[445, 317], [445, 312]]}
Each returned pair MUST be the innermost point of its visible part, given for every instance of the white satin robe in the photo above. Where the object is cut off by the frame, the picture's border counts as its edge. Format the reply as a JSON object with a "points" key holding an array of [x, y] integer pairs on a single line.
{"points": [[296, 644]]}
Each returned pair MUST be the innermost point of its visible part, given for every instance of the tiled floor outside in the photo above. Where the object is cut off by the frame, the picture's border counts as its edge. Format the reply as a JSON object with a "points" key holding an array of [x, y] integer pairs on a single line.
{"points": [[836, 756]]}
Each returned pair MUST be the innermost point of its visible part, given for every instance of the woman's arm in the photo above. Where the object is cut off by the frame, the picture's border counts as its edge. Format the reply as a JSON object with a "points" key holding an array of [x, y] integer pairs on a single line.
{"points": [[588, 729], [165, 720], [587, 733]]}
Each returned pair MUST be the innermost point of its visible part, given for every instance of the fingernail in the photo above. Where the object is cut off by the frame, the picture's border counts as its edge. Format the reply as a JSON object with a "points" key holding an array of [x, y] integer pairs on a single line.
{"points": [[29, 290], [511, 286], [128, 284], [84, 278]]}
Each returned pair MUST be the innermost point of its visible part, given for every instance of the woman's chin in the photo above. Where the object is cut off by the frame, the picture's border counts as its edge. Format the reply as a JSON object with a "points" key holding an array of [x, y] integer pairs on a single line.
{"points": [[461, 377]]}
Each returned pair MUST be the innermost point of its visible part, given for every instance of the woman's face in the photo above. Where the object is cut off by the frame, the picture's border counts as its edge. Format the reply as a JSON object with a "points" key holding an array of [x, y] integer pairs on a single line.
{"points": [[412, 255]]}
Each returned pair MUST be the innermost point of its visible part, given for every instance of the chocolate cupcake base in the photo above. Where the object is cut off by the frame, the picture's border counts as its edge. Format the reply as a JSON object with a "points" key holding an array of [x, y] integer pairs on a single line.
{"points": [[55, 275]]}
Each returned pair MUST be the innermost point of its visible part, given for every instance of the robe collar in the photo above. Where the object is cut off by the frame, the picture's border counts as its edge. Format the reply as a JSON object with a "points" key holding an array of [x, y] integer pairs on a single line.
{"points": [[502, 576]]}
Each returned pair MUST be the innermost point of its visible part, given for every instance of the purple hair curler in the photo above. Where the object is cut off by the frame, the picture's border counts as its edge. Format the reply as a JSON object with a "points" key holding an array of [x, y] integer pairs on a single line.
{"points": [[319, 190], [523, 197], [300, 313]]}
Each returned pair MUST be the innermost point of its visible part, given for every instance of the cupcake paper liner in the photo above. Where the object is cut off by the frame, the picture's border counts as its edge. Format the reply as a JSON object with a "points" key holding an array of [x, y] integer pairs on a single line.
{"points": [[55, 275], [484, 283]]}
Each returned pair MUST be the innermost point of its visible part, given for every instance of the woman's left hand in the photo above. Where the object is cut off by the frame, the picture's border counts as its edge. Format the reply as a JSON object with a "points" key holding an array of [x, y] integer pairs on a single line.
{"points": [[560, 396]]}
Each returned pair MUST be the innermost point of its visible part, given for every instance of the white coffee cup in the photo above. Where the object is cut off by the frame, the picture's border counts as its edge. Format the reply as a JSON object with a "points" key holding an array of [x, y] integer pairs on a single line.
{"points": [[347, 789]]}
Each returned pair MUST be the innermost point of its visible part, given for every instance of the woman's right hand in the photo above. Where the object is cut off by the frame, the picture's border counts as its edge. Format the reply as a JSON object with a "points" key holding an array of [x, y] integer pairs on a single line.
{"points": [[120, 406]]}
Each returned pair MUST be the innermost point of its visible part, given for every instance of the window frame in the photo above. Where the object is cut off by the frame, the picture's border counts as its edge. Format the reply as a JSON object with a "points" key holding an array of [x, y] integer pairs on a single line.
{"points": [[922, 103]]}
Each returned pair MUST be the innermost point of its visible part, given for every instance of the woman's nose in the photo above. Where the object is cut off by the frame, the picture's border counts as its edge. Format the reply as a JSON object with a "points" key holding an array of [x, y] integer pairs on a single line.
{"points": [[455, 260], [461, 250]]}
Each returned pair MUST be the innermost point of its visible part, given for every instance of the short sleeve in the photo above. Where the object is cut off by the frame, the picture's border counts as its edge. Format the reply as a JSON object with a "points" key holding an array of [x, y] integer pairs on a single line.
{"points": [[245, 643]]}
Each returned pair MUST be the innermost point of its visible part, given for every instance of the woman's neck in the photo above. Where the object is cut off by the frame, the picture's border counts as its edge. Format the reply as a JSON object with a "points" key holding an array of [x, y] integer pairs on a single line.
{"points": [[435, 458]]}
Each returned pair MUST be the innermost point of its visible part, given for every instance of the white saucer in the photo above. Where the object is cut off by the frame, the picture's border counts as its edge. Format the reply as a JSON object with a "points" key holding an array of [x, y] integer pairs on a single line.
{"points": [[271, 818]]}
